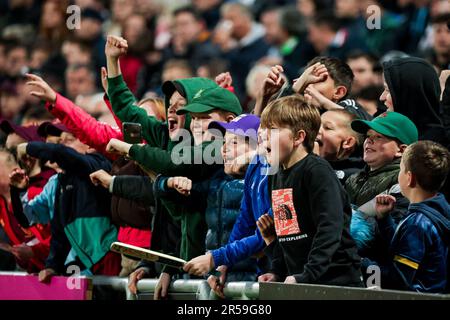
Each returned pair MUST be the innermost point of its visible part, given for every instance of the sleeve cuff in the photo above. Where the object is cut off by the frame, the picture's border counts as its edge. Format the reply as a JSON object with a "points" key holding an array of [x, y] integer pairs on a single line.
{"points": [[132, 153], [217, 257], [115, 80], [268, 250], [111, 185]]}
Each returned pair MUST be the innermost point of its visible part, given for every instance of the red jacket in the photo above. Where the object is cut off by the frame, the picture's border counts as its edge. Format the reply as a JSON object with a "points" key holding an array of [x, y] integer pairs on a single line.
{"points": [[85, 127]]}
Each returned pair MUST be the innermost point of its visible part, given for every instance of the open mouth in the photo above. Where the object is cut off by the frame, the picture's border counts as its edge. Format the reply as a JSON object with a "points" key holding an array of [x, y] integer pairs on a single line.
{"points": [[319, 142], [369, 150], [173, 124]]}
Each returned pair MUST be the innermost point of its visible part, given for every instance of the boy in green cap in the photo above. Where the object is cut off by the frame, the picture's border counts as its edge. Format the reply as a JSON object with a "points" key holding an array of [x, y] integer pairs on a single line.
{"points": [[386, 138], [208, 105]]}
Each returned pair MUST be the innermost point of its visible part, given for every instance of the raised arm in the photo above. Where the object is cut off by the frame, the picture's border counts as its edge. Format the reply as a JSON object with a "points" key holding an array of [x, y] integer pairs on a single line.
{"points": [[80, 123], [67, 158], [122, 99]]}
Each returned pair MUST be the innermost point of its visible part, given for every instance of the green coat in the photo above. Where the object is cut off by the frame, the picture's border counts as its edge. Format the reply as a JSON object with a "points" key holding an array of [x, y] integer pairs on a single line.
{"points": [[365, 185]]}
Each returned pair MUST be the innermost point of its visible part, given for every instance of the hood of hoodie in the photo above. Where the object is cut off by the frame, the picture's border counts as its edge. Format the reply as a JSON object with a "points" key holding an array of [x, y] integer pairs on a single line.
{"points": [[187, 88], [415, 91], [437, 210]]}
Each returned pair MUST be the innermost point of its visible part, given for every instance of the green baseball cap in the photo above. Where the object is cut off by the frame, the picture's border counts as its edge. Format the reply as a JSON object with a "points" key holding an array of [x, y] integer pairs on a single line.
{"points": [[208, 99], [390, 124]]}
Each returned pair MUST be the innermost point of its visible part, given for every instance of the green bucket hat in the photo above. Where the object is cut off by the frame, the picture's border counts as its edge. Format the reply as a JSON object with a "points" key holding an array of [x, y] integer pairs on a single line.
{"points": [[206, 100], [390, 124]]}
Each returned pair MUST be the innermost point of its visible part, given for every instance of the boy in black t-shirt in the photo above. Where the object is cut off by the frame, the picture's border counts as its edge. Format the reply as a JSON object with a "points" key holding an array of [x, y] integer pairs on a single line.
{"points": [[310, 208]]}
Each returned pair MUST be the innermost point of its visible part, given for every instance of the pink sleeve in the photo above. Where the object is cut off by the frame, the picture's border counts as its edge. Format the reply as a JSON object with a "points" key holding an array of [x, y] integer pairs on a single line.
{"points": [[84, 126]]}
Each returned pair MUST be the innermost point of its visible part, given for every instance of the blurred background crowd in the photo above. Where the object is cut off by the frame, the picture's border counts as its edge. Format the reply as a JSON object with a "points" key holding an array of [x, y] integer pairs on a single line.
{"points": [[179, 39]]}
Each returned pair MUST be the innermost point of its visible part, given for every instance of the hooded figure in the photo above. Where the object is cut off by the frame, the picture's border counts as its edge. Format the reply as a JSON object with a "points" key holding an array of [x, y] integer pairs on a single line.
{"points": [[415, 90]]}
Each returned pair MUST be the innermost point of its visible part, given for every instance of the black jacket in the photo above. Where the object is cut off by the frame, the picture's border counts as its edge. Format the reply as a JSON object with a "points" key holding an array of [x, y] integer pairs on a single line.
{"points": [[166, 231], [82, 217], [312, 220], [127, 207], [346, 167], [415, 91]]}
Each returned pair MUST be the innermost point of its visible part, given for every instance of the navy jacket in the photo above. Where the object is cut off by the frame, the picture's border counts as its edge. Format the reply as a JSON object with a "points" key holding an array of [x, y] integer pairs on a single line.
{"points": [[82, 218], [418, 248]]}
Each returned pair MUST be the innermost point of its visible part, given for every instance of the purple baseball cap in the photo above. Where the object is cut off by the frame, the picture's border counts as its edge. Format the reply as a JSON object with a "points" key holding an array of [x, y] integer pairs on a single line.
{"points": [[29, 133], [244, 125], [50, 128]]}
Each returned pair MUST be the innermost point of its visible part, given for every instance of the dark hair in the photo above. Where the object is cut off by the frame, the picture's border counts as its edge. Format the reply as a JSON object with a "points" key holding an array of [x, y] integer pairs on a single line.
{"points": [[441, 18], [292, 21], [338, 70], [428, 161], [38, 113], [78, 66], [295, 113], [358, 54], [371, 93], [13, 45], [188, 9], [327, 18]]}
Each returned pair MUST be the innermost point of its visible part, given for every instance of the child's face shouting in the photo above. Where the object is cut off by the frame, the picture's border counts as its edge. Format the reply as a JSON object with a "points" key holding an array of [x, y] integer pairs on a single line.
{"points": [[175, 122], [278, 144], [334, 138]]}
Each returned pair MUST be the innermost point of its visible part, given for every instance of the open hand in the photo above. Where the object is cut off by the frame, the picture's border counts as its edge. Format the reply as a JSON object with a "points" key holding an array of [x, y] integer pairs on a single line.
{"points": [[313, 74], [217, 284], [200, 265], [42, 89], [273, 82], [134, 278], [19, 179]]}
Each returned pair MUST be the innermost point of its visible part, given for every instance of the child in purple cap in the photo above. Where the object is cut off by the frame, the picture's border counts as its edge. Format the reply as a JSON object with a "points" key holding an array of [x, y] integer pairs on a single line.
{"points": [[230, 213]]}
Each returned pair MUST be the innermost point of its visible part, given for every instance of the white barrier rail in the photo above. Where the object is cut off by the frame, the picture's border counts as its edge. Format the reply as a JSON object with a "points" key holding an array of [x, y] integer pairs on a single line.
{"points": [[200, 290]]}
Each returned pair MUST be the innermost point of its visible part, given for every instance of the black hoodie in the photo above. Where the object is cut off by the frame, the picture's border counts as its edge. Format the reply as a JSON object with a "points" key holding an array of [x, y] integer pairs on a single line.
{"points": [[415, 91]]}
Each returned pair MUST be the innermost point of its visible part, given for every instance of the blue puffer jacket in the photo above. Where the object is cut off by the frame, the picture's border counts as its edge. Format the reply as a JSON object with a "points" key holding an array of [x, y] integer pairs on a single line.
{"points": [[224, 204], [245, 239]]}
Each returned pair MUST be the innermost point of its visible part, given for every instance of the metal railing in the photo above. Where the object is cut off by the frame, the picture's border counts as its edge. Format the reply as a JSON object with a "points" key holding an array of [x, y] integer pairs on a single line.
{"points": [[186, 289], [200, 290]]}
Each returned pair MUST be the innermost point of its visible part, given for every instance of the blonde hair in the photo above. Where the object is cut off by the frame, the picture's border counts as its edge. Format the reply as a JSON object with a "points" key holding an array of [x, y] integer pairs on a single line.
{"points": [[350, 117], [160, 110], [294, 113]]}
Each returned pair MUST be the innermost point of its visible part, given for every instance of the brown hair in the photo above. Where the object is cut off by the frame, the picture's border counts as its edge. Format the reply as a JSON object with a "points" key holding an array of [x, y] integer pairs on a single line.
{"points": [[293, 112], [338, 70], [429, 162]]}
